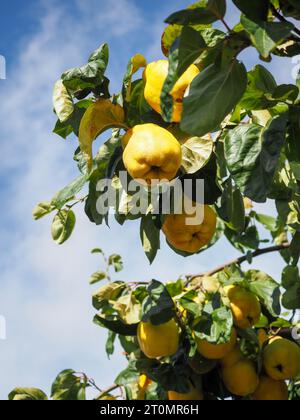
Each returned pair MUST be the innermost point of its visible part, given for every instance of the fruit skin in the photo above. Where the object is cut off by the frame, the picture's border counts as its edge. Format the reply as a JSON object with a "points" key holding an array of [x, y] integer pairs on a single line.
{"points": [[241, 378], [281, 359], [245, 306], [151, 153], [194, 394], [155, 75], [190, 238], [232, 358], [158, 340], [216, 351], [271, 390]]}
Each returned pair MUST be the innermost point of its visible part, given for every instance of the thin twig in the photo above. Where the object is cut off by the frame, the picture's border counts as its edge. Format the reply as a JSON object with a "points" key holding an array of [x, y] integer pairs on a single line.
{"points": [[239, 261], [107, 391]]}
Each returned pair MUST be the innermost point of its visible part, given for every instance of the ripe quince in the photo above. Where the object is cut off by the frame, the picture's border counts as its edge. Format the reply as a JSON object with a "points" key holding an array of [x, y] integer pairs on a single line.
{"points": [[158, 340], [190, 238], [245, 306], [271, 390], [194, 394], [155, 76], [151, 153], [216, 351], [232, 358], [241, 378], [282, 359]]}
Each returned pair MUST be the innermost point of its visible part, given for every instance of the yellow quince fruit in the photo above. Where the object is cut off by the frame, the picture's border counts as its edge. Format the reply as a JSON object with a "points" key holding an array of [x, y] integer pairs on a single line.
{"points": [[271, 390], [190, 237], [193, 394], [151, 153], [241, 378], [245, 306], [216, 351], [282, 359], [155, 76], [158, 340]]}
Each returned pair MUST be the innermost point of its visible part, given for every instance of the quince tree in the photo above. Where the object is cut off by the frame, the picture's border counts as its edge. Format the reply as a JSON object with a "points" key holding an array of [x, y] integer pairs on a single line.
{"points": [[198, 114]]}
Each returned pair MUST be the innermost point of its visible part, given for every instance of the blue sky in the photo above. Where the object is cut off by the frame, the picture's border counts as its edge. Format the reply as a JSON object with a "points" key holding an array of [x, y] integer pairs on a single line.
{"points": [[45, 296]]}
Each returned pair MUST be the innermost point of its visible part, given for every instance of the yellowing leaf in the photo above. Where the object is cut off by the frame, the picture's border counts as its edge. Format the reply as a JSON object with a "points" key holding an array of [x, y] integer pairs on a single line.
{"points": [[137, 62], [62, 102], [129, 309], [100, 116]]}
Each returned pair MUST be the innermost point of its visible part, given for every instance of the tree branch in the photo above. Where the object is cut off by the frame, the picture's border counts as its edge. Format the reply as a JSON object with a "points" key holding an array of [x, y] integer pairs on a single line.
{"points": [[240, 260], [107, 391]]}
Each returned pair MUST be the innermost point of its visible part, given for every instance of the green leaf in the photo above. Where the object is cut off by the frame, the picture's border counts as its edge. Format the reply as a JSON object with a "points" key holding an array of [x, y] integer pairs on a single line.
{"points": [[233, 208], [69, 386], [97, 277], [260, 83], [204, 107], [295, 248], [265, 36], [286, 93], [135, 63], [90, 75], [116, 261], [252, 155], [150, 237], [248, 239], [191, 46], [208, 174], [69, 192], [266, 288], [215, 327], [109, 292], [128, 375], [183, 53], [116, 325], [42, 209], [72, 124], [63, 226], [101, 161], [27, 394], [159, 307], [214, 10], [269, 222], [256, 10], [196, 152], [110, 347], [138, 111], [99, 117]]}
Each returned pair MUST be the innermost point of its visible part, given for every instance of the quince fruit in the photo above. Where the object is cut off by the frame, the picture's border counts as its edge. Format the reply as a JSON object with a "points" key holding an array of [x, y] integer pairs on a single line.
{"points": [[245, 306], [155, 76], [158, 340], [282, 359], [193, 394], [190, 237], [216, 351], [151, 153], [232, 358], [241, 378], [271, 390]]}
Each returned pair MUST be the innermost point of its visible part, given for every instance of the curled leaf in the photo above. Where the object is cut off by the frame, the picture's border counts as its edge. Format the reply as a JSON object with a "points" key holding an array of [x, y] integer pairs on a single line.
{"points": [[100, 116], [62, 102], [63, 226]]}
